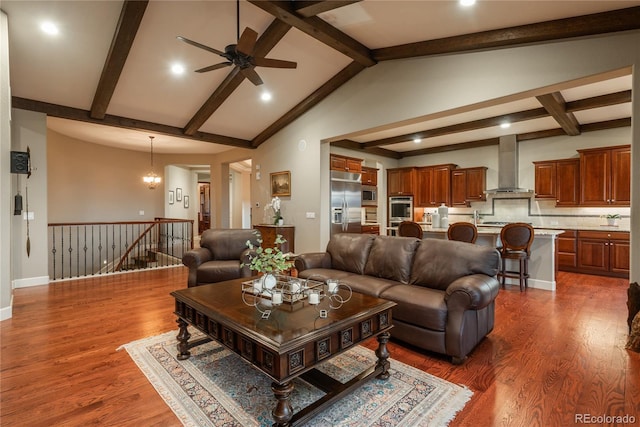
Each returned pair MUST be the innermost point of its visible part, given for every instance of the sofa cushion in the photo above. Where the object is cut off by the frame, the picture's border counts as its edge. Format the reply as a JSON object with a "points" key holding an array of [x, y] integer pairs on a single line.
{"points": [[228, 244], [391, 258], [349, 251], [437, 263], [218, 271], [418, 306]]}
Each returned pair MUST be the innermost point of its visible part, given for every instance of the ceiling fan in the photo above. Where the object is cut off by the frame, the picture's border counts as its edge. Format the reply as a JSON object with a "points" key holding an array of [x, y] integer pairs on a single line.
{"points": [[241, 54]]}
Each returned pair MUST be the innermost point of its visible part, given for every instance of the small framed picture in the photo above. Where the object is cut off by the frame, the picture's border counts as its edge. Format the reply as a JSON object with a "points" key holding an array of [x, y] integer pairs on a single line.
{"points": [[179, 194], [170, 197], [186, 202], [280, 184]]}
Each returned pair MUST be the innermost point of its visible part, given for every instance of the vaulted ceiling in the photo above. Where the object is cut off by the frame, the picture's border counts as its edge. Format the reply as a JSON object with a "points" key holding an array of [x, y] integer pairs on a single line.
{"points": [[106, 76]]}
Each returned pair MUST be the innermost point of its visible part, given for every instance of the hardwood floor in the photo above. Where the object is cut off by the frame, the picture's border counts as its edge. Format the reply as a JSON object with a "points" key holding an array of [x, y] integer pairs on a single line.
{"points": [[551, 355]]}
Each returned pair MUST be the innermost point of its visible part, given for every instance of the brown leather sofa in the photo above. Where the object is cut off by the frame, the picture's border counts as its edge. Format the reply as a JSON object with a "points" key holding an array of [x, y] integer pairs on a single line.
{"points": [[445, 290], [220, 256]]}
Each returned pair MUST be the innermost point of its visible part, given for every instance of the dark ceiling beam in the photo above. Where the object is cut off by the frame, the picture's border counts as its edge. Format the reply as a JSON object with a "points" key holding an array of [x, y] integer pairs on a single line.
{"points": [[272, 35], [555, 105], [452, 147], [520, 116], [318, 29], [599, 101], [579, 26], [309, 102], [609, 124], [313, 8], [356, 146], [126, 30], [71, 113]]}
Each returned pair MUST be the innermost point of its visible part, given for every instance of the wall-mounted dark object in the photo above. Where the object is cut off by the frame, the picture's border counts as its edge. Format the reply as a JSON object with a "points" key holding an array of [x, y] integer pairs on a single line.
{"points": [[20, 162], [18, 205]]}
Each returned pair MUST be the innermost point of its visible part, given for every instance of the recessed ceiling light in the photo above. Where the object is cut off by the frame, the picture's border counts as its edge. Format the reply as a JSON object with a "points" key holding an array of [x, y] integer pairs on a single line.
{"points": [[505, 125], [265, 96], [50, 28], [417, 140], [177, 69], [467, 2]]}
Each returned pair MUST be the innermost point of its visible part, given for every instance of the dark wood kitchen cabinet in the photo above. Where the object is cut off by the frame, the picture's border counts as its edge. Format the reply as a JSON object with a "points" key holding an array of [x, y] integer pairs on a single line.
{"points": [[567, 245], [558, 180], [433, 185], [604, 252], [468, 185], [369, 176], [605, 176], [401, 182], [345, 164]]}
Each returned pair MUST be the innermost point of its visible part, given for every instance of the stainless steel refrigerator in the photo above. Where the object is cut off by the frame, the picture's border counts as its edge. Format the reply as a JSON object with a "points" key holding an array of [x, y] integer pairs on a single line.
{"points": [[346, 201]]}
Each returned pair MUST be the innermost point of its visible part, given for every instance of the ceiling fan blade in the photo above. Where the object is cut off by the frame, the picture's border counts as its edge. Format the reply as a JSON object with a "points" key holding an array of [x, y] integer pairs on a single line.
{"points": [[214, 67], [247, 41], [201, 46], [251, 74], [273, 63]]}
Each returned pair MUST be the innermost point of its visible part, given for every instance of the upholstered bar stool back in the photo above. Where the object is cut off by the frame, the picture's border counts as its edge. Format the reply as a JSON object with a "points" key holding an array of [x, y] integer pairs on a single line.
{"points": [[516, 245], [462, 232], [410, 229]]}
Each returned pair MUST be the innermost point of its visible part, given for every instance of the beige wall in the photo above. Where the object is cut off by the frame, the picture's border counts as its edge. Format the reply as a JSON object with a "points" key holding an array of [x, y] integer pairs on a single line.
{"points": [[6, 232]]}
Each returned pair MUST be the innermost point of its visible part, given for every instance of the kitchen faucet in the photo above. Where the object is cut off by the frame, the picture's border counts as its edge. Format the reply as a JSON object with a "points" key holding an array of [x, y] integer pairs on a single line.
{"points": [[476, 216]]}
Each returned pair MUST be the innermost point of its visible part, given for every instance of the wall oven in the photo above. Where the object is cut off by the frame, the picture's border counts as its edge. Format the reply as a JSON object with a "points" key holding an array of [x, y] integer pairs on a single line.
{"points": [[400, 209], [369, 195]]}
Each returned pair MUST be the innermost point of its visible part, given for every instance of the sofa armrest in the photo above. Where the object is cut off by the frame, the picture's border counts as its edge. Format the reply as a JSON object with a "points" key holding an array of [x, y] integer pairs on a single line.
{"points": [[192, 259], [312, 260], [473, 292], [245, 260]]}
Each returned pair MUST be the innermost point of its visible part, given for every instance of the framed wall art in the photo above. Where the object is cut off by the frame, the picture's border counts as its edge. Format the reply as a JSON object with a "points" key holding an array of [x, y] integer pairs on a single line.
{"points": [[170, 197], [281, 184], [186, 202], [178, 194]]}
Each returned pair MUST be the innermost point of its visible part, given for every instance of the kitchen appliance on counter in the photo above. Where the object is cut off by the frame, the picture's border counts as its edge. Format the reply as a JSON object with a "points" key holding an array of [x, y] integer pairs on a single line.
{"points": [[369, 195], [400, 209], [346, 201]]}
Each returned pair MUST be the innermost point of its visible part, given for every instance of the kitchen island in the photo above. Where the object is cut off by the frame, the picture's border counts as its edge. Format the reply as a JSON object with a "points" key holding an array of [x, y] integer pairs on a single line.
{"points": [[542, 264]]}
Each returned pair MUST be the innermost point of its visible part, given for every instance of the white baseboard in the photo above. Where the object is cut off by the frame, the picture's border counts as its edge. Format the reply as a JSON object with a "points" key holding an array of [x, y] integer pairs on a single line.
{"points": [[30, 281], [7, 312], [534, 283]]}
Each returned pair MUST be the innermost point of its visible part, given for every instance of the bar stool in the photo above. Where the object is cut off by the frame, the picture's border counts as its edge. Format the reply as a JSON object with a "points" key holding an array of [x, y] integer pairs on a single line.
{"points": [[410, 229], [516, 244], [462, 232]]}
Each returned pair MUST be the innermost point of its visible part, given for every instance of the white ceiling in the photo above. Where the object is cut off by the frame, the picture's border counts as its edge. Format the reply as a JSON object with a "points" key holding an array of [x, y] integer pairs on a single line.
{"points": [[65, 69]]}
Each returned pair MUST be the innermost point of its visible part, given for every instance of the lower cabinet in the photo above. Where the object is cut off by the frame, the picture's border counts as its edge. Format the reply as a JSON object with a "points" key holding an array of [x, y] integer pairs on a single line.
{"points": [[604, 252], [568, 251], [270, 232]]}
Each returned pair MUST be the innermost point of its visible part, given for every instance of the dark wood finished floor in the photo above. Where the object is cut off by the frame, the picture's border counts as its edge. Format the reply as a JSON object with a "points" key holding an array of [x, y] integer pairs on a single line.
{"points": [[551, 355]]}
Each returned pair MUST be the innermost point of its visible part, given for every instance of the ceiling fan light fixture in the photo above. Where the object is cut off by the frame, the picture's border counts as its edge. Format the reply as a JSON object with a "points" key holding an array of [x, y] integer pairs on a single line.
{"points": [[177, 69], [467, 3], [505, 125], [49, 28], [417, 140], [151, 179], [266, 96]]}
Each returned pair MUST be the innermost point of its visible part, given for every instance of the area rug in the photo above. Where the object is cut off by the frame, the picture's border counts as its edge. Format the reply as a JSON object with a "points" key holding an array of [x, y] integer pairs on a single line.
{"points": [[216, 387]]}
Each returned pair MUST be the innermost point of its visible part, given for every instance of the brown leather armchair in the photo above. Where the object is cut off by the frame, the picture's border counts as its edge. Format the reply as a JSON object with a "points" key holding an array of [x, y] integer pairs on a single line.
{"points": [[220, 256]]}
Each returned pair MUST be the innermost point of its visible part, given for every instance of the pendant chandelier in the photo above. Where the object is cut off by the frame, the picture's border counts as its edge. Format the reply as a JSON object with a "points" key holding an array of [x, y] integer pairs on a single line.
{"points": [[151, 179]]}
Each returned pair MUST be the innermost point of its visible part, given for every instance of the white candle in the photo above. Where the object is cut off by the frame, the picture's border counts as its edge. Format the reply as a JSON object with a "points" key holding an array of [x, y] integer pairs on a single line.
{"points": [[314, 298], [277, 298], [333, 286], [294, 286]]}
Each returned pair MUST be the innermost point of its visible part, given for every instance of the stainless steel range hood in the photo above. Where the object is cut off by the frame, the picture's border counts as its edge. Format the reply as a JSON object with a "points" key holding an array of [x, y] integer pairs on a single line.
{"points": [[508, 167]]}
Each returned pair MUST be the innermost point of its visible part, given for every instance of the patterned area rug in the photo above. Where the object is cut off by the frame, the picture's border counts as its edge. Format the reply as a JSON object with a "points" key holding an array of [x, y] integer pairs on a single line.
{"points": [[216, 387]]}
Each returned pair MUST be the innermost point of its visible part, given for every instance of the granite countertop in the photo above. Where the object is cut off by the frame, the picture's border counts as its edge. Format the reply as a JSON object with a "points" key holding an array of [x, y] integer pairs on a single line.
{"points": [[496, 230], [371, 223]]}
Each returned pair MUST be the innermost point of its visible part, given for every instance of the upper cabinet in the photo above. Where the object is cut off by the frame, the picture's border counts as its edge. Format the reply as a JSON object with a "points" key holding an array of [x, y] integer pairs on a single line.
{"points": [[433, 185], [558, 180], [369, 176], [468, 185], [345, 164], [606, 176], [401, 182]]}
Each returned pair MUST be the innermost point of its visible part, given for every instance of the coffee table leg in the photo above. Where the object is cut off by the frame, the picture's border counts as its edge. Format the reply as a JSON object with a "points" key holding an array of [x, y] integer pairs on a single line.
{"points": [[183, 338], [383, 355], [283, 411]]}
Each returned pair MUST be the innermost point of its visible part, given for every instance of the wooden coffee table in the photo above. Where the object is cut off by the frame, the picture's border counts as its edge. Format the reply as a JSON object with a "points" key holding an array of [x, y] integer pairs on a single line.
{"points": [[290, 343]]}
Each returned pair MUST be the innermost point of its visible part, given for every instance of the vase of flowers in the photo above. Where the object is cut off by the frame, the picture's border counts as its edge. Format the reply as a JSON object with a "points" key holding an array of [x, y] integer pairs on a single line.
{"points": [[268, 261], [612, 219], [277, 215]]}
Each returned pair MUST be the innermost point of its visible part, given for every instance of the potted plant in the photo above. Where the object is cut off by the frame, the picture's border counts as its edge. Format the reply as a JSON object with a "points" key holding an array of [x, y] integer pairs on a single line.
{"points": [[268, 261], [612, 219]]}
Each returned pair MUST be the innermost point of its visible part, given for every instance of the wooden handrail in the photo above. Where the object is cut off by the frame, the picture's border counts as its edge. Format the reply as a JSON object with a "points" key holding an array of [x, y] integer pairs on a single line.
{"points": [[134, 245]]}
